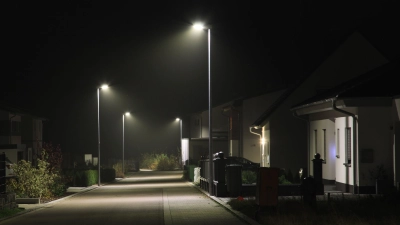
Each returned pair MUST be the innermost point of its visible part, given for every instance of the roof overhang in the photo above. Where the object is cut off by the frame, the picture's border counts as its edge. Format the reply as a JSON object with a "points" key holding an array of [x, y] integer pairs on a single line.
{"points": [[326, 104]]}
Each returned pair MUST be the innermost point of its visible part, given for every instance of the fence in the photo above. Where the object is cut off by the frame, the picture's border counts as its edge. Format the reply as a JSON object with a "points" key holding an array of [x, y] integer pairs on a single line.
{"points": [[2, 173]]}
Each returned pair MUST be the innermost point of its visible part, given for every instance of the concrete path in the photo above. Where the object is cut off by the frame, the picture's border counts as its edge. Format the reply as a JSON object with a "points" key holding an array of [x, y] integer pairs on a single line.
{"points": [[146, 197]]}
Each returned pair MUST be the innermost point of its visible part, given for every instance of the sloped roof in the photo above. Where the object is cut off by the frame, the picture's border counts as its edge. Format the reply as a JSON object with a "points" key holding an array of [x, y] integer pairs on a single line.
{"points": [[377, 83], [17, 110], [284, 96], [275, 105]]}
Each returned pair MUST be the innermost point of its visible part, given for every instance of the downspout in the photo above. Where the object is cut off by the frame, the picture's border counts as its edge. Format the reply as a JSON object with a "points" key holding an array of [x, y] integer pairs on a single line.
{"points": [[229, 132], [201, 125], [260, 143], [9, 139], [308, 142], [354, 142], [240, 133]]}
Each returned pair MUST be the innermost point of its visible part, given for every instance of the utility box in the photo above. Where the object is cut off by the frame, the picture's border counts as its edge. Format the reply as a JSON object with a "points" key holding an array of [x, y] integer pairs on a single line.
{"points": [[267, 186]]}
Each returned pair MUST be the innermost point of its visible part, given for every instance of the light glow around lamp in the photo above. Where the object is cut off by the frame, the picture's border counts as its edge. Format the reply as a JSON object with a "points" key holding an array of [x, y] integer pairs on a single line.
{"points": [[198, 26]]}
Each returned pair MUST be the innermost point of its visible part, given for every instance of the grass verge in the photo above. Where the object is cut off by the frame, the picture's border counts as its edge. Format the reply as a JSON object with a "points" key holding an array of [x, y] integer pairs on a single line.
{"points": [[355, 210], [9, 212]]}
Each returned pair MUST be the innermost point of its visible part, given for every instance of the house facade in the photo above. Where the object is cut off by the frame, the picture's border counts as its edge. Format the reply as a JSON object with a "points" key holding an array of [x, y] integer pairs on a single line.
{"points": [[283, 139], [231, 134], [354, 127], [21, 133]]}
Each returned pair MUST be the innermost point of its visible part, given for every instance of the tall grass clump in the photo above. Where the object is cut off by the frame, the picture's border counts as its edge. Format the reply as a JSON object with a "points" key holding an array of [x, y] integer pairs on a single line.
{"points": [[159, 161], [118, 170]]}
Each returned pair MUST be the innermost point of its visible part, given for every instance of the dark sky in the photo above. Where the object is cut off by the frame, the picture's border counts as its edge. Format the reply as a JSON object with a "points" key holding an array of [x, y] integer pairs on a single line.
{"points": [[157, 65]]}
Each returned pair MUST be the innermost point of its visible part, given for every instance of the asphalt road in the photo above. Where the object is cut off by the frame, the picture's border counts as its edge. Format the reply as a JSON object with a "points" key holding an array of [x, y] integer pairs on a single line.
{"points": [[146, 197]]}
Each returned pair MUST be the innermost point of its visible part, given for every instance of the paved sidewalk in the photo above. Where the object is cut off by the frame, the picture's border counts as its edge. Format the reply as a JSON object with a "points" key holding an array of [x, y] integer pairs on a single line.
{"points": [[185, 204]]}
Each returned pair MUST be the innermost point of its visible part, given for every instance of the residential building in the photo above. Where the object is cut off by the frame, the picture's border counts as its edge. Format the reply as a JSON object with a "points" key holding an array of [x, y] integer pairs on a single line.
{"points": [[21, 133], [354, 127], [283, 141]]}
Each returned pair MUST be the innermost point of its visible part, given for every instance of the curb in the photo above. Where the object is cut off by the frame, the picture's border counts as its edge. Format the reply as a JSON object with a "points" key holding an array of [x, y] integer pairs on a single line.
{"points": [[228, 207]]}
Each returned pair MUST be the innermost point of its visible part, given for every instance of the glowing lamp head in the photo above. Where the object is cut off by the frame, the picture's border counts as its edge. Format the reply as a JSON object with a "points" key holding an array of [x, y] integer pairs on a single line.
{"points": [[198, 26], [127, 113], [104, 86], [177, 119]]}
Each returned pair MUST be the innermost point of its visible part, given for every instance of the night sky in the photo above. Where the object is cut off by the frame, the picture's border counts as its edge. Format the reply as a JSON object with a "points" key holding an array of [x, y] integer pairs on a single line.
{"points": [[156, 63]]}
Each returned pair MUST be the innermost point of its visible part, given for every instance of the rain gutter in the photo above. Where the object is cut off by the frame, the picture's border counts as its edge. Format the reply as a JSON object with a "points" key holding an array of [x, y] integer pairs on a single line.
{"points": [[261, 158], [355, 164]]}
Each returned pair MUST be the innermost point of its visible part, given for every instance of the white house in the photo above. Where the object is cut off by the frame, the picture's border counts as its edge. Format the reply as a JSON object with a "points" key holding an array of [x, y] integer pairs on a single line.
{"points": [[283, 140], [354, 126]]}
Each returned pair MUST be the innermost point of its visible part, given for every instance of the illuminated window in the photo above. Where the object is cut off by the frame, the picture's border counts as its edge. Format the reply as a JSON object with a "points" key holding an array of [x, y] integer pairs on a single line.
{"points": [[348, 144]]}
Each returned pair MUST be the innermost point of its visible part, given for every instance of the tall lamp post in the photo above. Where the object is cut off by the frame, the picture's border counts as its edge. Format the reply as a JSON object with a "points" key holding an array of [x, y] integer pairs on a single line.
{"points": [[210, 181], [98, 127], [180, 130], [123, 141]]}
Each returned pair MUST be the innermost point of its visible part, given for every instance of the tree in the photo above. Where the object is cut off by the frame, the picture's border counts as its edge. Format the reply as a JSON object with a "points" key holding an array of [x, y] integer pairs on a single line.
{"points": [[53, 156]]}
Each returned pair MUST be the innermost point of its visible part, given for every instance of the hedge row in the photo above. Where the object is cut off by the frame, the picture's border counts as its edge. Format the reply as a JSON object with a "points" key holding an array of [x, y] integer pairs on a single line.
{"points": [[85, 178]]}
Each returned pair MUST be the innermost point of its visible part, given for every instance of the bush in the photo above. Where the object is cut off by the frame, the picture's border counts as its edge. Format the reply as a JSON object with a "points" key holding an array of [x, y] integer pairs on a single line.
{"points": [[31, 181], [90, 177], [118, 170], [249, 177], [159, 161], [283, 180]]}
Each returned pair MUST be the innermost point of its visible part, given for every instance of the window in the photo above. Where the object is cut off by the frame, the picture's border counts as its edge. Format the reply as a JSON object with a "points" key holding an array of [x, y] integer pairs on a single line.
{"points": [[325, 157], [15, 127], [348, 144], [315, 142], [20, 156], [338, 144]]}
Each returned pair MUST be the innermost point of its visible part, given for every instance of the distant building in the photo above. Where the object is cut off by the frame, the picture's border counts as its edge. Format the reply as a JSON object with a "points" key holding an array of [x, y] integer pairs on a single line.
{"points": [[21, 133]]}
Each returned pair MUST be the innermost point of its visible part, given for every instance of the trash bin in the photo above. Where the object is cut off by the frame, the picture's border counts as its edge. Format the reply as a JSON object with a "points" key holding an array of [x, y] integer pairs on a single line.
{"points": [[234, 179], [196, 178], [308, 190], [267, 186], [191, 172]]}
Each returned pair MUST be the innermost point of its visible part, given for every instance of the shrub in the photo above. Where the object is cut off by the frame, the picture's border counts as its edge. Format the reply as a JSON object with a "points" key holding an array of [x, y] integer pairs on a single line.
{"points": [[31, 181], [283, 180], [166, 162], [159, 161], [249, 177], [118, 170]]}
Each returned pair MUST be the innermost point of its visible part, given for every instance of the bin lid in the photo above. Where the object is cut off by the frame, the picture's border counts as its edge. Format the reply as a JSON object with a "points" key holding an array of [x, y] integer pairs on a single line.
{"points": [[235, 165]]}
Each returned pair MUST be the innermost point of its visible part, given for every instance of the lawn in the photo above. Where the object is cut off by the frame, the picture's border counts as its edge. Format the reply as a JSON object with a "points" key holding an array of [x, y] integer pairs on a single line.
{"points": [[354, 210], [9, 212]]}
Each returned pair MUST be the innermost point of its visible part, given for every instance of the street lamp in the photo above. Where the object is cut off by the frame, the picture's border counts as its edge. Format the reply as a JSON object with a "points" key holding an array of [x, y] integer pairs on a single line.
{"points": [[180, 130], [201, 27], [105, 86], [123, 141]]}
